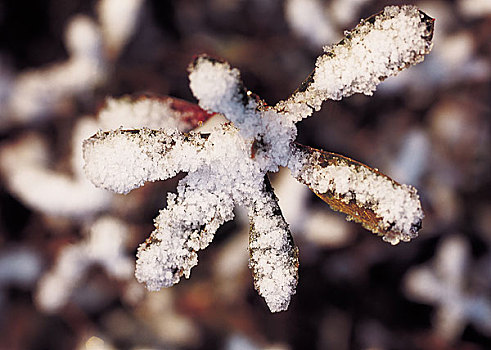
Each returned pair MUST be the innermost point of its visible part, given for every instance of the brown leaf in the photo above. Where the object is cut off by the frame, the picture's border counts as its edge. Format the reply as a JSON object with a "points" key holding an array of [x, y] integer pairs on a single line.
{"points": [[361, 212]]}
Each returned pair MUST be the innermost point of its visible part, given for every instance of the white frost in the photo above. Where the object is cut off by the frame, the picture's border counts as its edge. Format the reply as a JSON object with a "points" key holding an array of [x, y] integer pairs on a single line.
{"points": [[218, 88], [123, 160], [205, 200]]}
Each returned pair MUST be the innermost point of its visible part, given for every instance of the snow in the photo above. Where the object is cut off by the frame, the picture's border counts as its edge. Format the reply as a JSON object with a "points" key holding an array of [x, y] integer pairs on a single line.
{"points": [[205, 199], [26, 164], [123, 160], [218, 88]]}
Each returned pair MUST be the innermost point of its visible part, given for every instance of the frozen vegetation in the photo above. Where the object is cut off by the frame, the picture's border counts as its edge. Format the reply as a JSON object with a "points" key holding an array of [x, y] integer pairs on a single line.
{"points": [[228, 166]]}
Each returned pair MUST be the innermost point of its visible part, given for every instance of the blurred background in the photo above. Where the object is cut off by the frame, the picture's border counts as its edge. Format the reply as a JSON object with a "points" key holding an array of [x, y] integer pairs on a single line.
{"points": [[67, 250]]}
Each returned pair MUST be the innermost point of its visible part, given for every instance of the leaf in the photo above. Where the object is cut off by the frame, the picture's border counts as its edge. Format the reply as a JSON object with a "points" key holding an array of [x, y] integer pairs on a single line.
{"points": [[153, 112], [273, 254], [367, 196]]}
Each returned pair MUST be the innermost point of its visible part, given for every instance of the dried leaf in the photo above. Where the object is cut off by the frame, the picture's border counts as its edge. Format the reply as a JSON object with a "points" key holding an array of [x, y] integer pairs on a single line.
{"points": [[367, 196]]}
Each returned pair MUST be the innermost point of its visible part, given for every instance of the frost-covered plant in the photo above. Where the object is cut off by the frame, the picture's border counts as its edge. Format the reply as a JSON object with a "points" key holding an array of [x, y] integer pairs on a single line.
{"points": [[37, 94], [229, 166], [104, 245], [444, 284]]}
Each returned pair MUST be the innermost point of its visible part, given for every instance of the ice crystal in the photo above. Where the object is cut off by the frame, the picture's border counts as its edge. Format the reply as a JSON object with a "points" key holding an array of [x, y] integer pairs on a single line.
{"points": [[229, 165], [377, 48], [380, 204]]}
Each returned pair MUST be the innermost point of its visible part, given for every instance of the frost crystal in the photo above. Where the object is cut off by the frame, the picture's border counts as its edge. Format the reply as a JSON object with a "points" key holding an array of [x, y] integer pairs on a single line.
{"points": [[26, 164], [229, 165]]}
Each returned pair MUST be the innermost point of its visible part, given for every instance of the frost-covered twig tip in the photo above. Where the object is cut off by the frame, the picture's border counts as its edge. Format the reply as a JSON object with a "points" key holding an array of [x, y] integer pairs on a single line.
{"points": [[379, 47]]}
